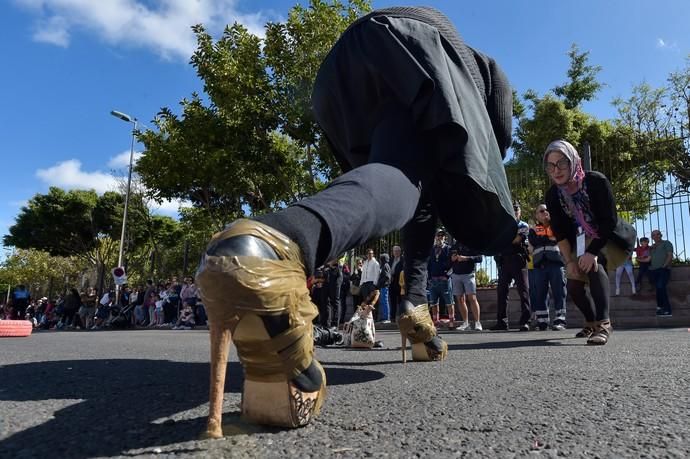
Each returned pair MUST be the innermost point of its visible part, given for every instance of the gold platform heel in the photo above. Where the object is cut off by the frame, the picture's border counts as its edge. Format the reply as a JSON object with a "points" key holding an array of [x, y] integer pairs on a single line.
{"points": [[415, 324], [247, 293]]}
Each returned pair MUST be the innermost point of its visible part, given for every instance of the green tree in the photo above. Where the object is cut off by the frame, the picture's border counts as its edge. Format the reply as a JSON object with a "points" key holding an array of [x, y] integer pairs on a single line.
{"points": [[582, 84], [294, 52], [647, 118], [39, 271], [73, 223], [615, 145], [250, 144], [679, 94], [66, 223]]}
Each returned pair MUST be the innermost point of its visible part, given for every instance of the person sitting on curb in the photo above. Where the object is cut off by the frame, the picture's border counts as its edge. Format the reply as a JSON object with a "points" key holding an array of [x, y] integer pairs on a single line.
{"points": [[186, 320]]}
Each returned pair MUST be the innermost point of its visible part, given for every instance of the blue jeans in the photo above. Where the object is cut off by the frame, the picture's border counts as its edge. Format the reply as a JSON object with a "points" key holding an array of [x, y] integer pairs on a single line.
{"points": [[549, 275], [661, 276], [440, 288], [384, 313]]}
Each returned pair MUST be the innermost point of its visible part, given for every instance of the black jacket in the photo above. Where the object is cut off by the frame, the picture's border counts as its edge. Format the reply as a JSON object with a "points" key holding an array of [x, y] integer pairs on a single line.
{"points": [[603, 207], [395, 275], [385, 275]]}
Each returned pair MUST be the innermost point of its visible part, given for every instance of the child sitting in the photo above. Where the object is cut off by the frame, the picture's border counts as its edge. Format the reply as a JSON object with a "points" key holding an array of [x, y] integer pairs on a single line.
{"points": [[186, 320]]}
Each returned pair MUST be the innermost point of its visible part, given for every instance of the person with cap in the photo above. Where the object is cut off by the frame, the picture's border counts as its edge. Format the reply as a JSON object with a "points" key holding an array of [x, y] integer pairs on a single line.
{"points": [[416, 119], [438, 268], [584, 222], [512, 266]]}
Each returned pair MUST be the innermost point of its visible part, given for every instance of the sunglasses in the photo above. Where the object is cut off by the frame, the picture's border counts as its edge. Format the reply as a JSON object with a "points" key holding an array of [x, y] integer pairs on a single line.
{"points": [[562, 164], [541, 211]]}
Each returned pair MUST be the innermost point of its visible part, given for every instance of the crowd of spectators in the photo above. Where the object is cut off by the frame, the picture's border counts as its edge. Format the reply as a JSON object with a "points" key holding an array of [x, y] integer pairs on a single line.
{"points": [[167, 304]]}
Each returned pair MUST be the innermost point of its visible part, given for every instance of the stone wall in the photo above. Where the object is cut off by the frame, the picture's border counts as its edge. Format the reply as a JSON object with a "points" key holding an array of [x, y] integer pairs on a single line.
{"points": [[627, 311]]}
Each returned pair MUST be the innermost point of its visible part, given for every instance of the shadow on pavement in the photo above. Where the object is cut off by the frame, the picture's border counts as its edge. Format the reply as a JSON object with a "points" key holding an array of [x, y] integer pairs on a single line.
{"points": [[544, 342], [120, 400]]}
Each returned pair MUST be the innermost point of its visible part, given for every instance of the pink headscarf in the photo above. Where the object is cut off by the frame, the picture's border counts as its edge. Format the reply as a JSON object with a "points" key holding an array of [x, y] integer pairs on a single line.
{"points": [[577, 203], [577, 174]]}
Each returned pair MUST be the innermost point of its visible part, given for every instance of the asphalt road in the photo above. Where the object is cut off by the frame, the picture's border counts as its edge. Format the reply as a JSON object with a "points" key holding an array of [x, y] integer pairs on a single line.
{"points": [[538, 394]]}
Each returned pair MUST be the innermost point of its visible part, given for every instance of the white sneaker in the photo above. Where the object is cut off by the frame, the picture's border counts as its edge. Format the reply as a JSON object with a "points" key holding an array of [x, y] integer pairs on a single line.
{"points": [[465, 325], [478, 326], [634, 292], [618, 292]]}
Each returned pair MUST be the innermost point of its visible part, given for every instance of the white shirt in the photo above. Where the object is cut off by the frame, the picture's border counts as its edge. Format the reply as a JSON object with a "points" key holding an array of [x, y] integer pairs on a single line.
{"points": [[370, 271]]}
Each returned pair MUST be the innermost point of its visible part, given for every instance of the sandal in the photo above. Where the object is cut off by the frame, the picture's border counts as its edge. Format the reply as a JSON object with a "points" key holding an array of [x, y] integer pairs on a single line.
{"points": [[253, 284], [415, 324], [602, 333], [586, 331]]}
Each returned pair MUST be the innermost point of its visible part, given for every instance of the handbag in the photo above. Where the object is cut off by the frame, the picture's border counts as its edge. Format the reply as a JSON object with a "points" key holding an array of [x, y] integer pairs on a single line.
{"points": [[354, 289], [361, 330]]}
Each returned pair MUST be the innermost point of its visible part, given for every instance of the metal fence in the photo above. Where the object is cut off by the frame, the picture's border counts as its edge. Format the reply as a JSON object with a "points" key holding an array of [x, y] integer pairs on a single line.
{"points": [[650, 183]]}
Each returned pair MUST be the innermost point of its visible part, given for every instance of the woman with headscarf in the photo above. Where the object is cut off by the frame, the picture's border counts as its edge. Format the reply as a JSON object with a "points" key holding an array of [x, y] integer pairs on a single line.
{"points": [[583, 219]]}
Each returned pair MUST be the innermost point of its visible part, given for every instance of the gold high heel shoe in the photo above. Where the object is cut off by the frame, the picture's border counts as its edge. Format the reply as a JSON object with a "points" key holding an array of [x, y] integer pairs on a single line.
{"points": [[602, 332], [415, 324], [255, 292]]}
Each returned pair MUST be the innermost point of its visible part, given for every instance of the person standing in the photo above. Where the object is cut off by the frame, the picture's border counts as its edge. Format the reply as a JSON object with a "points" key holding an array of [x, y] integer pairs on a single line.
{"points": [[438, 267], [21, 299], [344, 290], [333, 285], [397, 266], [628, 268], [382, 285], [643, 255], [512, 266], [371, 269], [547, 271], [584, 219], [464, 284], [355, 281], [660, 271]]}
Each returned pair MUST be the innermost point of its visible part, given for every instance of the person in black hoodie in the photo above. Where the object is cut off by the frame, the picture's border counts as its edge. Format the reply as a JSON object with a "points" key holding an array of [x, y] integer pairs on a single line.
{"points": [[382, 285]]}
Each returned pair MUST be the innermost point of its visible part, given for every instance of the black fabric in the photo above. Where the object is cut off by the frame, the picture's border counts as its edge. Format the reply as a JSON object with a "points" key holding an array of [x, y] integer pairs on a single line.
{"points": [[403, 104], [420, 65], [306, 229], [385, 274], [512, 267], [394, 290], [489, 79], [596, 306], [467, 266], [603, 207]]}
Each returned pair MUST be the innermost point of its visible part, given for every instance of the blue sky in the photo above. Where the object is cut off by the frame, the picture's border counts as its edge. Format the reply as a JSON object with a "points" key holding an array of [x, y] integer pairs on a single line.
{"points": [[68, 63]]}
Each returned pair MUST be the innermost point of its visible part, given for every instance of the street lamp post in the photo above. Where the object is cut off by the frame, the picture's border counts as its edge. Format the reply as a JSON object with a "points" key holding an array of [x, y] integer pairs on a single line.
{"points": [[128, 119]]}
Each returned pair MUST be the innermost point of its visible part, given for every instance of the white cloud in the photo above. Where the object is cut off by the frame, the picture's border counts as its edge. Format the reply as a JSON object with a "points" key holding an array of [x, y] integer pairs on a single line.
{"points": [[69, 175], [665, 44], [122, 160], [53, 31], [160, 25]]}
